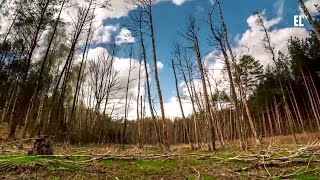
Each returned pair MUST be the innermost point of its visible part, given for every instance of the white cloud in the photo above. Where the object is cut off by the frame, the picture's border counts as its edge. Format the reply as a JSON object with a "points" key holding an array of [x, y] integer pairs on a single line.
{"points": [[122, 66], [172, 108], [104, 34], [311, 6], [178, 2], [279, 6], [124, 37], [160, 65], [251, 42]]}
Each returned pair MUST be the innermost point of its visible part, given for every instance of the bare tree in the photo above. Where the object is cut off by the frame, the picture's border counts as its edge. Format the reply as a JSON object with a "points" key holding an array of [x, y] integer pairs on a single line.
{"points": [[103, 78], [269, 48], [184, 64], [191, 35], [180, 104], [126, 97], [220, 43], [147, 9], [139, 23], [139, 114], [313, 24], [240, 86]]}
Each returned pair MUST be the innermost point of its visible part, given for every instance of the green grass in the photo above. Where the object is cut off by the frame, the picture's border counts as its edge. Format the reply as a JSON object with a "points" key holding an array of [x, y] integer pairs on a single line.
{"points": [[76, 158], [238, 163], [306, 176], [59, 165], [142, 167], [210, 167], [156, 167], [20, 159], [207, 178], [226, 155], [280, 154], [53, 163], [192, 162]]}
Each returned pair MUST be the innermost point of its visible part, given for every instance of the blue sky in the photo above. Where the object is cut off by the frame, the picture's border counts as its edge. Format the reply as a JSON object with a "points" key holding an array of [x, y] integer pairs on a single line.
{"points": [[169, 19]]}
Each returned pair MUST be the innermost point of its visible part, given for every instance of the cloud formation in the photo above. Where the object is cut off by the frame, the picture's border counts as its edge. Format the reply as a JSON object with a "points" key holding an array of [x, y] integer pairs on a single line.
{"points": [[312, 6], [250, 42], [116, 103], [124, 37], [178, 2], [160, 65]]}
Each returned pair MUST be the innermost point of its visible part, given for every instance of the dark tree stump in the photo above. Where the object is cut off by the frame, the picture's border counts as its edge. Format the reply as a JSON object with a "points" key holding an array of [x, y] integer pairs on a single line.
{"points": [[42, 146]]}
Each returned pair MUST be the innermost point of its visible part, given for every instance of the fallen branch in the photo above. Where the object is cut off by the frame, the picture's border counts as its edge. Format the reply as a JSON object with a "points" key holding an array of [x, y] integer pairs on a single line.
{"points": [[199, 175]]}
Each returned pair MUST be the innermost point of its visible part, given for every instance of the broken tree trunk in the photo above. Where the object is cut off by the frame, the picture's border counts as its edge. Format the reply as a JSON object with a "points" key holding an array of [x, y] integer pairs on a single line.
{"points": [[42, 146]]}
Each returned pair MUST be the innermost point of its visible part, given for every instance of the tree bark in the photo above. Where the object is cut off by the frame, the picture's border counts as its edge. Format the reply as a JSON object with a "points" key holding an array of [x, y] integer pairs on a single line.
{"points": [[314, 26]]}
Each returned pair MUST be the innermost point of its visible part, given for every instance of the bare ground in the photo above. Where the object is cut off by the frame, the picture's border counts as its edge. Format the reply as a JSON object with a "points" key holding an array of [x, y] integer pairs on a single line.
{"points": [[273, 161]]}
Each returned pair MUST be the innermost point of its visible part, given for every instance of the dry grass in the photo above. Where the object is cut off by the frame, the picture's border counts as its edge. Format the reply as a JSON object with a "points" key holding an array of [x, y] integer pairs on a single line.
{"points": [[180, 163]]}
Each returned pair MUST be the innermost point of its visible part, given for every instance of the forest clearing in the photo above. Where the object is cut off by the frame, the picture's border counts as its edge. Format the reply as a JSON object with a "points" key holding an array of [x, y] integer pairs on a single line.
{"points": [[285, 161]]}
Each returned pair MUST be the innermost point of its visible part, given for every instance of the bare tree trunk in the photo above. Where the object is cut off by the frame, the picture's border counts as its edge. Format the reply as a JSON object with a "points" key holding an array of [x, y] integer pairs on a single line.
{"points": [[126, 99], [314, 26], [144, 56], [40, 121], [8, 102], [277, 114], [232, 87], [182, 57], [270, 48], [153, 42], [13, 121], [244, 100], [33, 46], [214, 114], [191, 35], [75, 99], [269, 120], [139, 118], [180, 104], [312, 101]]}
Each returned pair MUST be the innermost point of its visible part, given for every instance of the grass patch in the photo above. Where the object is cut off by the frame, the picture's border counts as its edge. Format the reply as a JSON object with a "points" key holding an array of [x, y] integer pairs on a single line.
{"points": [[76, 158], [238, 163], [114, 163], [280, 154], [61, 165], [192, 161], [123, 168], [207, 178], [20, 159], [156, 167], [226, 155], [53, 164], [142, 167], [307, 176]]}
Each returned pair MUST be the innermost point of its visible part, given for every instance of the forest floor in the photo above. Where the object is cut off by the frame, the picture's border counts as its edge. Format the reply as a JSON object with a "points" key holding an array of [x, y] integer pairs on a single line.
{"points": [[272, 161], [279, 158]]}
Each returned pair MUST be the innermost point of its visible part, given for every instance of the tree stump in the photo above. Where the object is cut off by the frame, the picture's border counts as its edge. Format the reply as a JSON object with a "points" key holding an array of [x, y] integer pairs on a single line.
{"points": [[42, 146]]}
